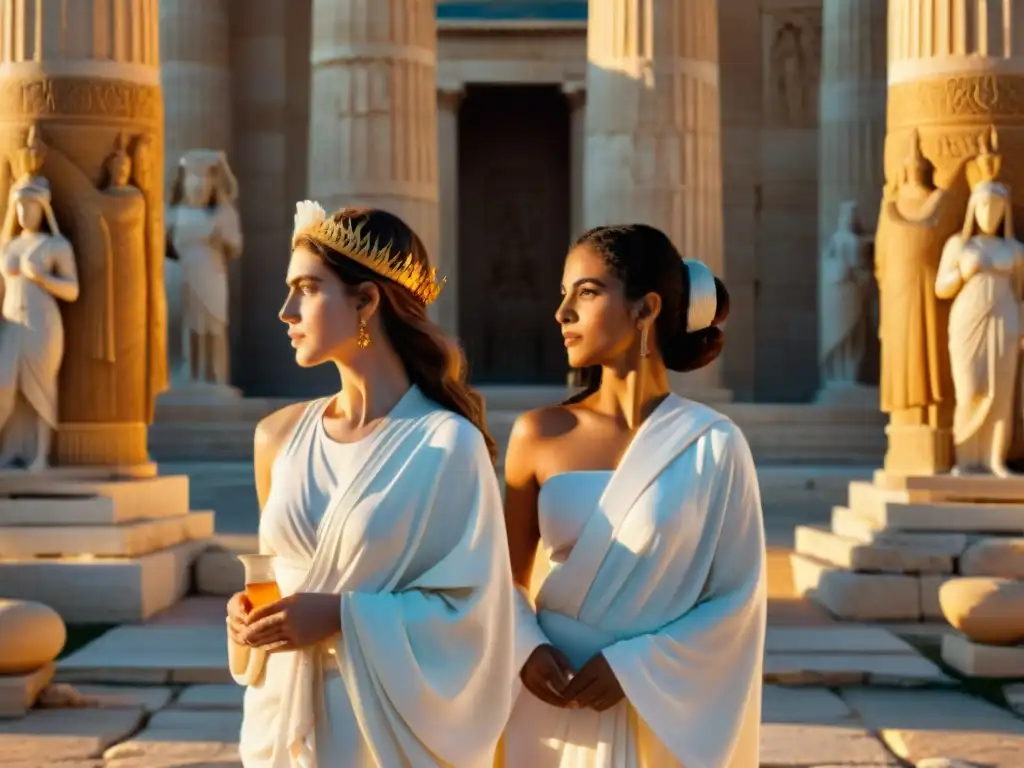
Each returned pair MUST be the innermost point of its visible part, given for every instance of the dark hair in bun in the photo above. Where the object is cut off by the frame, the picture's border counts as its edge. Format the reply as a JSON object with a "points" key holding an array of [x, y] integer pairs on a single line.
{"points": [[645, 261]]}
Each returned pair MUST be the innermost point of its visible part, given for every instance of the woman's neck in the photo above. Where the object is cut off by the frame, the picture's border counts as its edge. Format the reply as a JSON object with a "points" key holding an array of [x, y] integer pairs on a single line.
{"points": [[632, 394], [371, 385]]}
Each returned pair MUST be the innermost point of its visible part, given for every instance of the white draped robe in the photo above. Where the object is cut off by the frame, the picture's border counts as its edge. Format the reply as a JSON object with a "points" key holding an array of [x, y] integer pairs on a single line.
{"points": [[666, 579], [414, 545]]}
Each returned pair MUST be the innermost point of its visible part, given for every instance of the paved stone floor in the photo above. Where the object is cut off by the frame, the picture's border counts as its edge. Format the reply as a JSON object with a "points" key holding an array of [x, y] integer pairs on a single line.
{"points": [[836, 696]]}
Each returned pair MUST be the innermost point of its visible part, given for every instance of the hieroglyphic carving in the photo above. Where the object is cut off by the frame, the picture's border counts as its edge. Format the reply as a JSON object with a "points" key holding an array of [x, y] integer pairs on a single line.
{"points": [[80, 97], [984, 99], [792, 66]]}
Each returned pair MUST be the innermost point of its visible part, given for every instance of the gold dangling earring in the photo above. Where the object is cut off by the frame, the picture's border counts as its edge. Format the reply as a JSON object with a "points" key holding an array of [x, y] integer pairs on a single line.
{"points": [[363, 339], [644, 350]]}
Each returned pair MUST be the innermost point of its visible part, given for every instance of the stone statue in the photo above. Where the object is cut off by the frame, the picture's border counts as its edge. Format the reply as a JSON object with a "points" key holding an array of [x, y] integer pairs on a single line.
{"points": [[204, 234], [846, 299], [116, 331], [37, 265], [916, 387], [982, 271]]}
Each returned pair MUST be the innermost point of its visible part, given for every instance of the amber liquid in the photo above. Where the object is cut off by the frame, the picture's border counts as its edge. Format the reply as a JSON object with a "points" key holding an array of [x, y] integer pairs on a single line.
{"points": [[262, 593]]}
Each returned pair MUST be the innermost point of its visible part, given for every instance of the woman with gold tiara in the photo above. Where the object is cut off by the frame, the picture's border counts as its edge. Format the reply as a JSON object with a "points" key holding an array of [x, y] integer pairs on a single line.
{"points": [[393, 642], [644, 648]]}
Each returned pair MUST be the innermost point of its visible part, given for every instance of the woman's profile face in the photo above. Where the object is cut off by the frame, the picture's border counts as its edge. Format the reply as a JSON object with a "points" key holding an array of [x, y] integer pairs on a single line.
{"points": [[320, 313], [597, 323]]}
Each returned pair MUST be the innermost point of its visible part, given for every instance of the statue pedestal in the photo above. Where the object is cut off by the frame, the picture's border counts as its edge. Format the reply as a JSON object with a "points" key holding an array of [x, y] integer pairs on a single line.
{"points": [[98, 548], [848, 395], [900, 538], [198, 392]]}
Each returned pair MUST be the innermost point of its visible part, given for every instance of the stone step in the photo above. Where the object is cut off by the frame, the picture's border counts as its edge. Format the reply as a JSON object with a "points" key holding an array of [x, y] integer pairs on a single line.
{"points": [[36, 499], [856, 525], [131, 539], [856, 596], [977, 660], [18, 693], [976, 488], [104, 590], [878, 557]]}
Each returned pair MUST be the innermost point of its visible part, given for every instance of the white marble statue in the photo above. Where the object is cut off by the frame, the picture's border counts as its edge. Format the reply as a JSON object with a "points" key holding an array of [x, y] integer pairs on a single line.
{"points": [[37, 267], [204, 234], [982, 271], [845, 304]]}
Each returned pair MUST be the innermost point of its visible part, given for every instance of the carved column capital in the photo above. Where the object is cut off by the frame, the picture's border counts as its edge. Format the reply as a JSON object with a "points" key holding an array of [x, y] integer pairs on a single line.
{"points": [[575, 93], [450, 95]]}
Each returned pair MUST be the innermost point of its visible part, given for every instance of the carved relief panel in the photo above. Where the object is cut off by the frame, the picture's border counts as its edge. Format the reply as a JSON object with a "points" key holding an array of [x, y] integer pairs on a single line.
{"points": [[791, 64]]}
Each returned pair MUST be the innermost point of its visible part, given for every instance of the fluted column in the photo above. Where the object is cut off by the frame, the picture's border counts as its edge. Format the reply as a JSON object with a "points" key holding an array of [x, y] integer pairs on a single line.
{"points": [[87, 75], [652, 150], [196, 73], [851, 110], [955, 71], [851, 138], [373, 116], [956, 67], [449, 99], [576, 94]]}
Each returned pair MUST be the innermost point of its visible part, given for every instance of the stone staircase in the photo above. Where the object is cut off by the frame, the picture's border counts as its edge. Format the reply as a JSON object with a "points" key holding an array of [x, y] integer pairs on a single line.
{"points": [[778, 434]]}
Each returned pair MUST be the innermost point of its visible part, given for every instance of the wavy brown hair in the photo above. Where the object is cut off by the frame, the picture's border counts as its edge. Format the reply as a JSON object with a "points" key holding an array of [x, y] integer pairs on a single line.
{"points": [[433, 361]]}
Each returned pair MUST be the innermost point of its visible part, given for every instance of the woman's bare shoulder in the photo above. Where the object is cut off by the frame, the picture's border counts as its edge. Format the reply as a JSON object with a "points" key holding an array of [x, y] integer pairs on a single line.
{"points": [[273, 430]]}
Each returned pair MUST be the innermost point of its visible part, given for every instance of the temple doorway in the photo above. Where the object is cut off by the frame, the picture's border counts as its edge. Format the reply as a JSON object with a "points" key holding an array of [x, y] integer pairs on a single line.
{"points": [[514, 210]]}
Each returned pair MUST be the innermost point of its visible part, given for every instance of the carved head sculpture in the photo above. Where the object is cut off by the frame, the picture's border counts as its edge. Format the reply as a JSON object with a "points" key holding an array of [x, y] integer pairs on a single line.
{"points": [[204, 179], [119, 165], [849, 218], [988, 209], [917, 170], [28, 207]]}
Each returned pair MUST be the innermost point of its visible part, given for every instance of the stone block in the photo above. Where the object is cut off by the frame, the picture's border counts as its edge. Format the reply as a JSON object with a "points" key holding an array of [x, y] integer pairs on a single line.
{"points": [[877, 557], [129, 539], [819, 669], [46, 737], [28, 498], [175, 738], [856, 525], [950, 517], [149, 698], [1014, 695], [920, 725], [789, 745], [976, 660], [151, 655], [114, 590], [781, 704], [18, 693], [844, 639], [931, 609], [219, 572], [205, 697], [970, 488], [1000, 557], [857, 596]]}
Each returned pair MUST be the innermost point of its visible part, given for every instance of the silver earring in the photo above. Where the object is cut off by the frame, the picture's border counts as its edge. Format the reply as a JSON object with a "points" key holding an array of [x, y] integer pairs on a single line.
{"points": [[644, 351]]}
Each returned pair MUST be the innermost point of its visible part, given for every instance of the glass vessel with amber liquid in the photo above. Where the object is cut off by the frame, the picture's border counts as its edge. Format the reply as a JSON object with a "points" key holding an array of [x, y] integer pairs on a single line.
{"points": [[260, 582]]}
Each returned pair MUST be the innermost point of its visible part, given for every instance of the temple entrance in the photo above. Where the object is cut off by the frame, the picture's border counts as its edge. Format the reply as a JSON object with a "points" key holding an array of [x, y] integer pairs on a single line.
{"points": [[514, 208]]}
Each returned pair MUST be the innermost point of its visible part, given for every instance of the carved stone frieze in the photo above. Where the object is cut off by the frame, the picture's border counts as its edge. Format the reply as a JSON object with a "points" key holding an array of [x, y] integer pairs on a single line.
{"points": [[981, 99], [80, 97], [792, 66]]}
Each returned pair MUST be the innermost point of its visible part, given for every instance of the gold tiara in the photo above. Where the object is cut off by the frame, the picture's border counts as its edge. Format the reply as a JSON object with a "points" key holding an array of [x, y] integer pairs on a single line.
{"points": [[350, 241]]}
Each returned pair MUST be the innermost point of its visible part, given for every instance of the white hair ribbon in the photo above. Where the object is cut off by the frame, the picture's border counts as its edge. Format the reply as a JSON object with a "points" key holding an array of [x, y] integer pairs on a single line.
{"points": [[703, 302]]}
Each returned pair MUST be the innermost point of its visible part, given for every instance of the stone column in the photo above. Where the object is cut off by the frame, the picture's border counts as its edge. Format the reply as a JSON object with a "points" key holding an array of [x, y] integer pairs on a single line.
{"points": [[373, 115], [195, 48], [652, 151], [449, 98], [87, 75], [576, 94], [955, 71], [851, 138], [259, 57]]}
